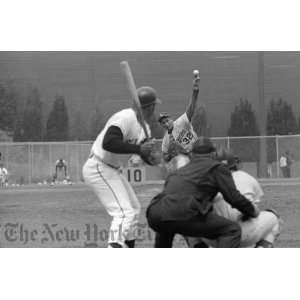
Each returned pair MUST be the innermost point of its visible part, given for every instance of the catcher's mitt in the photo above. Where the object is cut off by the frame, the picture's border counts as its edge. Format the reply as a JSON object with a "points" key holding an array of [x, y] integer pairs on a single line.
{"points": [[150, 153], [175, 148]]}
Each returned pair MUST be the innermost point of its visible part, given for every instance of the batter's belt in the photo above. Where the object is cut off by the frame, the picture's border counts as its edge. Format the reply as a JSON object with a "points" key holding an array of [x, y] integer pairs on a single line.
{"points": [[93, 155]]}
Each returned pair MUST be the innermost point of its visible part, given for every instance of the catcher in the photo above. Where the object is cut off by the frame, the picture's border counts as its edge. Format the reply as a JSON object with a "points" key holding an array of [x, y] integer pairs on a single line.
{"points": [[260, 232], [180, 135], [122, 134]]}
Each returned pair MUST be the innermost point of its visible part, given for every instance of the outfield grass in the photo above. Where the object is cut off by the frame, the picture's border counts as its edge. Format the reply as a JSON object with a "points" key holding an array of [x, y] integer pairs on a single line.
{"points": [[71, 216]]}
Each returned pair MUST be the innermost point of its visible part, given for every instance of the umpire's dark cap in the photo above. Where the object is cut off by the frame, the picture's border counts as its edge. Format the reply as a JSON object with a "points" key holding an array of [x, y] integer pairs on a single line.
{"points": [[147, 96], [203, 146]]}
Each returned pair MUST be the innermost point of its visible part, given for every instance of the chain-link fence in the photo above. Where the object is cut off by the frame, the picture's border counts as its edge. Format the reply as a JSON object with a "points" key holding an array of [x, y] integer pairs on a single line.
{"points": [[35, 162], [261, 155]]}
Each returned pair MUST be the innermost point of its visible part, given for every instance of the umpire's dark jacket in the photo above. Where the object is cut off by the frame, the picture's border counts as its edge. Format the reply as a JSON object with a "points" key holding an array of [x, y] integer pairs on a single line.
{"points": [[190, 191]]}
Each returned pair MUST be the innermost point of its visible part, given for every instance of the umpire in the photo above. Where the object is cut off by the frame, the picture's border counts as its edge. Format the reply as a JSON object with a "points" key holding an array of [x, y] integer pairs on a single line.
{"points": [[185, 205]]}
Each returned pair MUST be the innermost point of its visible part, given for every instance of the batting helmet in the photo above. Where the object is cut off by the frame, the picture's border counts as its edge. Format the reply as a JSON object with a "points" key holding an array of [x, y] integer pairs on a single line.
{"points": [[147, 96]]}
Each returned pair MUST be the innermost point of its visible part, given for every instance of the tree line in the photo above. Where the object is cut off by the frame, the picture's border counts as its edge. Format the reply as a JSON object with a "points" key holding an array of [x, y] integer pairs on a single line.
{"points": [[281, 120], [23, 119]]}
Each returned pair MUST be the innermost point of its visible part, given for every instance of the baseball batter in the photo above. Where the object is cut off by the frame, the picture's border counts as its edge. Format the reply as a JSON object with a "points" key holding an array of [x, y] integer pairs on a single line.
{"points": [[122, 134], [180, 135]]}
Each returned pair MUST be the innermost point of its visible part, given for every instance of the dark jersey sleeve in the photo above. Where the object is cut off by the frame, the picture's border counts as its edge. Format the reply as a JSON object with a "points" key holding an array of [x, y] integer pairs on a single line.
{"points": [[230, 193], [113, 142]]}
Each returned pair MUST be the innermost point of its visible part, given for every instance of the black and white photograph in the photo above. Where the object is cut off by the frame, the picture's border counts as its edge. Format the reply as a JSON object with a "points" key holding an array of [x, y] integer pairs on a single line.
{"points": [[168, 127], [150, 149]]}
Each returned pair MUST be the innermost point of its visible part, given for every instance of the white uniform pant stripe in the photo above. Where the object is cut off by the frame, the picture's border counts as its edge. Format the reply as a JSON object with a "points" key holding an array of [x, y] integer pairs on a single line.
{"points": [[112, 191]]}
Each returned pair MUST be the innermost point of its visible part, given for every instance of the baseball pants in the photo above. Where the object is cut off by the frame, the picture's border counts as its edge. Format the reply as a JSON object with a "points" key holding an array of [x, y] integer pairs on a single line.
{"points": [[266, 227], [118, 198]]}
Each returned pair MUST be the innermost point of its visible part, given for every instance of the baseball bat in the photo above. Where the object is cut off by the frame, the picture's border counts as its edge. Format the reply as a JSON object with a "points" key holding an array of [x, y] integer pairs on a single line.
{"points": [[195, 86], [133, 93]]}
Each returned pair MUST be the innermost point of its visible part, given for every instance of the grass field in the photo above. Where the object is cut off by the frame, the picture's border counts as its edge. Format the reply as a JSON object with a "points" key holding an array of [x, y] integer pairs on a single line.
{"points": [[71, 216]]}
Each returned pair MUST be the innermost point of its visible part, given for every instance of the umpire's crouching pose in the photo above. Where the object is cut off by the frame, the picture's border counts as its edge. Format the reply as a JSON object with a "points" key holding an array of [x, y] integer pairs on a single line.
{"points": [[185, 205]]}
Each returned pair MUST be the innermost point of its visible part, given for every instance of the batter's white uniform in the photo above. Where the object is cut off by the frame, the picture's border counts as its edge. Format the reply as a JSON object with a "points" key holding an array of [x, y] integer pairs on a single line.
{"points": [[183, 134], [264, 227], [102, 173]]}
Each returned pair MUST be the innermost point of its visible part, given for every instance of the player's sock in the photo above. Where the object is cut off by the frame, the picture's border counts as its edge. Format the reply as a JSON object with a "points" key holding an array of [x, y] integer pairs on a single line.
{"points": [[130, 244], [114, 245], [264, 244]]}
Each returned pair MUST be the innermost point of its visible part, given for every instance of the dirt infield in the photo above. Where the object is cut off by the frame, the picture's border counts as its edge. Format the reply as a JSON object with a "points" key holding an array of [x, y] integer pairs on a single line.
{"points": [[71, 216]]}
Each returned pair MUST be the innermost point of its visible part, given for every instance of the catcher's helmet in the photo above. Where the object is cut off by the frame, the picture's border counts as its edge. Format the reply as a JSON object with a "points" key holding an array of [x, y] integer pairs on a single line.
{"points": [[229, 159], [147, 96]]}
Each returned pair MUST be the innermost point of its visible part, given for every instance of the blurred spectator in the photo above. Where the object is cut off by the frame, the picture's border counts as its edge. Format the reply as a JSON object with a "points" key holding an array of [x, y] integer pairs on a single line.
{"points": [[285, 163], [3, 175]]}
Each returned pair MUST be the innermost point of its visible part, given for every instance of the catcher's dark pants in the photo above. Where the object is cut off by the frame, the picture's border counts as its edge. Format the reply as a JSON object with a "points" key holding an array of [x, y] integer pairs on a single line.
{"points": [[227, 233]]}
